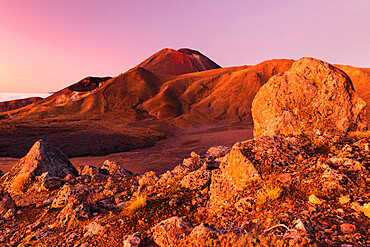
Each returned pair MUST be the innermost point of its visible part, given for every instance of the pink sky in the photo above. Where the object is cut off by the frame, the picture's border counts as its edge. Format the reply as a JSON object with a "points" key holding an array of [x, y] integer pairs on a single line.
{"points": [[46, 45]]}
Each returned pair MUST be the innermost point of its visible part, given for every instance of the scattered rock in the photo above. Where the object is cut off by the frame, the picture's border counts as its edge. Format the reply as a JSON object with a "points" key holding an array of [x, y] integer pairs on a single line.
{"points": [[180, 169], [68, 192], [358, 208], [88, 170], [6, 203], [71, 215], [300, 102], [92, 229], [174, 202], [132, 240], [315, 200], [196, 180], [284, 178], [114, 169], [9, 214], [148, 178], [201, 232], [233, 176], [347, 228], [169, 232], [218, 151], [244, 204], [193, 163], [344, 199], [52, 183], [366, 209]]}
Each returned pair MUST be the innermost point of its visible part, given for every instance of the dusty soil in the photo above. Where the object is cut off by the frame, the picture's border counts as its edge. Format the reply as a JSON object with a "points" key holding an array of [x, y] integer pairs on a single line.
{"points": [[167, 153]]}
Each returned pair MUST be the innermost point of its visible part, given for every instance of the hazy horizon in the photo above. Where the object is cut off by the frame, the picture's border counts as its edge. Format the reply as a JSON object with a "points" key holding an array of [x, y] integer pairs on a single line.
{"points": [[48, 45], [14, 96]]}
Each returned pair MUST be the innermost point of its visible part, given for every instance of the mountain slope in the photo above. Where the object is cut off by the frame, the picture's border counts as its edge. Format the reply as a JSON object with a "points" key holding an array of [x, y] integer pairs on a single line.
{"points": [[360, 78], [18, 103], [172, 62], [146, 104]]}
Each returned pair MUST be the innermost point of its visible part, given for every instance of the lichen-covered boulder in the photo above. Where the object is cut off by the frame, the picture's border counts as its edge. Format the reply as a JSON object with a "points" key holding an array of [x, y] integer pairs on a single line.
{"points": [[311, 97]]}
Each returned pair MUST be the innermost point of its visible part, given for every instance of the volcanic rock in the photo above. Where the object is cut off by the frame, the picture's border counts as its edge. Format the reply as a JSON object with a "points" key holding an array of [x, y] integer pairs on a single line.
{"points": [[218, 151], [87, 170], [114, 169], [132, 240], [196, 180], [42, 158], [77, 193], [169, 232], [311, 97], [6, 202], [248, 163]]}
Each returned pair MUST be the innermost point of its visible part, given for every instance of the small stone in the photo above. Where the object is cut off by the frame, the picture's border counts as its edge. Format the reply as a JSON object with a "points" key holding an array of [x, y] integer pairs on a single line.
{"points": [[358, 208], [194, 155], [301, 227], [132, 240], [69, 177], [315, 200], [244, 204], [344, 199], [366, 209], [52, 183], [284, 178], [92, 229], [9, 214], [347, 228], [174, 202], [196, 180], [169, 232]]}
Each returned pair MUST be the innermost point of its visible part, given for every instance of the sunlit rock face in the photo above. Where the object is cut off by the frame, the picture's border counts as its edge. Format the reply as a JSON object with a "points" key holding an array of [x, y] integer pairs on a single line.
{"points": [[311, 97]]}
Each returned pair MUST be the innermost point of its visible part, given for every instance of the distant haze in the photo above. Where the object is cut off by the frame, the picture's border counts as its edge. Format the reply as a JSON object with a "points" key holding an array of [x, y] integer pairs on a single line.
{"points": [[13, 96], [48, 45]]}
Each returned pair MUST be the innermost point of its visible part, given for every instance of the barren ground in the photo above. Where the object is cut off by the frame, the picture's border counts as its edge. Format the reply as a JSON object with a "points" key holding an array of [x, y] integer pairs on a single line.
{"points": [[166, 154]]}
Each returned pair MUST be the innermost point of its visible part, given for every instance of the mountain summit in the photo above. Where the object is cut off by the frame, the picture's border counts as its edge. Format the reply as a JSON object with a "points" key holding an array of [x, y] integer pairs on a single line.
{"points": [[171, 62]]}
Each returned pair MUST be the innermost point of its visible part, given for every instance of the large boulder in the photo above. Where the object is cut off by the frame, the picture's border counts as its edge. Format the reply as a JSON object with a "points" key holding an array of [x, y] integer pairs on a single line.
{"points": [[42, 158], [247, 166], [311, 97]]}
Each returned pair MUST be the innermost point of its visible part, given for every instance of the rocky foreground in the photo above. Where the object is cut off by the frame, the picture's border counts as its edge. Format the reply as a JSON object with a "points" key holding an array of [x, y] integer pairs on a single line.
{"points": [[266, 191]]}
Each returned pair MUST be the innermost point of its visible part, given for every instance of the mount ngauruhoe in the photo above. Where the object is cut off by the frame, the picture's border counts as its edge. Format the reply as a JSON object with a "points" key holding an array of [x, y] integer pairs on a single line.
{"points": [[303, 180], [170, 90]]}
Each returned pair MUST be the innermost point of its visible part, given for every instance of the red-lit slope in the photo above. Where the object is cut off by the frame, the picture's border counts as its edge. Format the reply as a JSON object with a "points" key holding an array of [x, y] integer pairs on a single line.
{"points": [[360, 78], [182, 61]]}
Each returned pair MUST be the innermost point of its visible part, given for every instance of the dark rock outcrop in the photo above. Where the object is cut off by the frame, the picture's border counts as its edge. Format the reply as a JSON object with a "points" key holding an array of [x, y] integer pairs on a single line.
{"points": [[42, 158], [6, 203]]}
